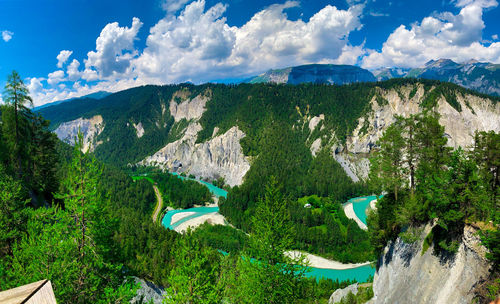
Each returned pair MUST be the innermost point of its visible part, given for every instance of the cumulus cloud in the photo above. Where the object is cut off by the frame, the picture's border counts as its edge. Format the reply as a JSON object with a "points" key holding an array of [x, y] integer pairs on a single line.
{"points": [[173, 6], [63, 57], [114, 50], [55, 77], [444, 35], [7, 35], [198, 45], [72, 70]]}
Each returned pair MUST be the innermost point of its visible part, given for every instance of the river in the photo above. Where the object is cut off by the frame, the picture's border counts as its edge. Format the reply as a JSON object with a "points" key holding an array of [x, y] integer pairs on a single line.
{"points": [[361, 273]]}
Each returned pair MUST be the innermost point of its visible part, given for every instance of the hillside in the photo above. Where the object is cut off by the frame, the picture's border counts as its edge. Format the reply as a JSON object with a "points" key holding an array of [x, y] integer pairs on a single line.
{"points": [[216, 130]]}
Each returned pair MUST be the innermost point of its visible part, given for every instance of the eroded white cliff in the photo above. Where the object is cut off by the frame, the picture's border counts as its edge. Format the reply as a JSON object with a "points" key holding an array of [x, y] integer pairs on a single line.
{"points": [[189, 109], [221, 156], [405, 275], [90, 129], [477, 114]]}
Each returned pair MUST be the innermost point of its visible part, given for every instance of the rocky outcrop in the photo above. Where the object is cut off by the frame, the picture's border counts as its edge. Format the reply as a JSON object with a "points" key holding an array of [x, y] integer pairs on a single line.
{"points": [[139, 129], [189, 109], [477, 114], [221, 156], [339, 294], [148, 292], [90, 128], [405, 275]]}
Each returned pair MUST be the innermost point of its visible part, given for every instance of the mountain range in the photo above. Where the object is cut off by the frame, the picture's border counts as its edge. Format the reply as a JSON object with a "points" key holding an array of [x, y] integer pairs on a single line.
{"points": [[483, 77]]}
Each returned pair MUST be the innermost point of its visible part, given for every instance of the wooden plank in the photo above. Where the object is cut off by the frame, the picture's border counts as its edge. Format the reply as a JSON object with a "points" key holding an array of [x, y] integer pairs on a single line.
{"points": [[37, 292]]}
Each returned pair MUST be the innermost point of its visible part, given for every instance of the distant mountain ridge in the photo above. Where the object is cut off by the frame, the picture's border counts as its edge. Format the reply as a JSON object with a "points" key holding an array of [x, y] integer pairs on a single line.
{"points": [[483, 77], [316, 73], [96, 95]]}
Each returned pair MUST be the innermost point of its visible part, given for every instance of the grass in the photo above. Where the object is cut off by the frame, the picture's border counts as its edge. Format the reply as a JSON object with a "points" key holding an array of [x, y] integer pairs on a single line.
{"points": [[143, 177], [427, 242]]}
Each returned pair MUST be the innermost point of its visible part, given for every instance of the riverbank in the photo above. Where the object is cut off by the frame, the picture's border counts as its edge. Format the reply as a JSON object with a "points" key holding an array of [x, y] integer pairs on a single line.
{"points": [[320, 262], [349, 212]]}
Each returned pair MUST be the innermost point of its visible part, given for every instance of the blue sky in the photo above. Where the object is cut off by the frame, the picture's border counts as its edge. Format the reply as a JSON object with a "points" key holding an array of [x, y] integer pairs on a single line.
{"points": [[66, 48]]}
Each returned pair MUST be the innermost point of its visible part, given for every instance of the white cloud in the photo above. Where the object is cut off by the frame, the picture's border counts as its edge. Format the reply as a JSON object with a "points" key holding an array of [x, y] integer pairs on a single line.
{"points": [[7, 35], [114, 50], [55, 77], [199, 45], [63, 57], [72, 70], [172, 6], [444, 35]]}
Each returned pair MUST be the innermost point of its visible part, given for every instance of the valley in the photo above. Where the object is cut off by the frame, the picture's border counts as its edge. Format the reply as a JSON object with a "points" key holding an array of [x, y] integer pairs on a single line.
{"points": [[205, 175]]}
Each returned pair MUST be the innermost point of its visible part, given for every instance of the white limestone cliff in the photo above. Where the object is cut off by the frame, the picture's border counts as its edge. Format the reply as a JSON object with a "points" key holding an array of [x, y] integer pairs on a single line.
{"points": [[405, 275], [220, 156], [477, 114], [90, 128]]}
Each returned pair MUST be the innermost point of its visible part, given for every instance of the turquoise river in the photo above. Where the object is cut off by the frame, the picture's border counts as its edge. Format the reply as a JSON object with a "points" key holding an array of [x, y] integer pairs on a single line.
{"points": [[361, 274]]}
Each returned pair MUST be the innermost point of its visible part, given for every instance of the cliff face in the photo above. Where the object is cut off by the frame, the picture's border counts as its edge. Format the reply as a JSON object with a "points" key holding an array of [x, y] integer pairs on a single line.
{"points": [[477, 114], [90, 129], [221, 156], [407, 276]]}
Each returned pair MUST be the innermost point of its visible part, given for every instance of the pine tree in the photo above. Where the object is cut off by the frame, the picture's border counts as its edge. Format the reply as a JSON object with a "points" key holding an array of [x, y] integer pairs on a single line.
{"points": [[388, 170], [265, 273], [195, 278], [16, 93], [13, 214], [61, 244]]}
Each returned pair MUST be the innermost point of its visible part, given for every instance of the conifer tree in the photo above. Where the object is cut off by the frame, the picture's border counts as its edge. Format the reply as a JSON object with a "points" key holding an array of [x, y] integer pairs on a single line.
{"points": [[16, 93], [265, 273], [196, 276]]}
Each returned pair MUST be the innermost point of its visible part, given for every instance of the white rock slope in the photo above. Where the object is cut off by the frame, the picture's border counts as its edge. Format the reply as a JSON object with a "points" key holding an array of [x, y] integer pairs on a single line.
{"points": [[221, 156], [90, 128], [477, 114], [406, 276]]}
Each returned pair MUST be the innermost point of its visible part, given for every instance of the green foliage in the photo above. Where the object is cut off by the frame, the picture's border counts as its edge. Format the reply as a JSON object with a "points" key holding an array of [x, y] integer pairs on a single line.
{"points": [[411, 235], [450, 187], [364, 294], [71, 247], [299, 174], [427, 242], [13, 215], [272, 277], [181, 193], [413, 92], [195, 277], [387, 165], [225, 238]]}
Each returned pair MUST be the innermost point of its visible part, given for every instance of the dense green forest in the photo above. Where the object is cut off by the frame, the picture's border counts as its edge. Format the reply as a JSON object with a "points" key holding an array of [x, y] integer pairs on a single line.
{"points": [[180, 193], [250, 106], [425, 180]]}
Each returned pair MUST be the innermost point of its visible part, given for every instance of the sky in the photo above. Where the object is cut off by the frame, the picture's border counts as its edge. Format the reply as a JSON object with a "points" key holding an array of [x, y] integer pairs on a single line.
{"points": [[65, 49]]}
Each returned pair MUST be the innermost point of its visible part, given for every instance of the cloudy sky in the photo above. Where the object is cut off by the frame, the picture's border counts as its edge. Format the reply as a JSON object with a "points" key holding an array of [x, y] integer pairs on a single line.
{"points": [[65, 49]]}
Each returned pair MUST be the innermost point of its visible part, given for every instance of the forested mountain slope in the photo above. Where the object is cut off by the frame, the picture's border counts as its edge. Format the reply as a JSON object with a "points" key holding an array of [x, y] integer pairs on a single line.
{"points": [[217, 131]]}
